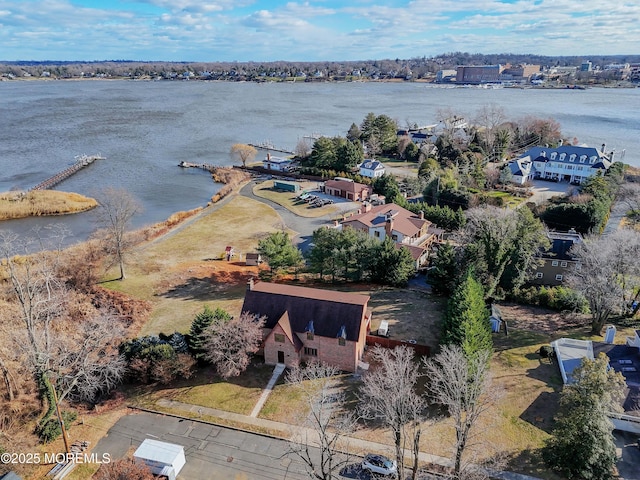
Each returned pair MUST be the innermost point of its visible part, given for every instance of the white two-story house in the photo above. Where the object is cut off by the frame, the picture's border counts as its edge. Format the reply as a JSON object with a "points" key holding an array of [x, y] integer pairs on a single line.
{"points": [[566, 163]]}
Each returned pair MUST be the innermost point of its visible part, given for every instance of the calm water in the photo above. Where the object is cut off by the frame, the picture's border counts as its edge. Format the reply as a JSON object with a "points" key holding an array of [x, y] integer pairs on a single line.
{"points": [[145, 128]]}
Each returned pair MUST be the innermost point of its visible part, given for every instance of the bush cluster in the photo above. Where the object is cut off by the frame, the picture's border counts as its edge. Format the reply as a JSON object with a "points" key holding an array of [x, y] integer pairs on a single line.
{"points": [[556, 298]]}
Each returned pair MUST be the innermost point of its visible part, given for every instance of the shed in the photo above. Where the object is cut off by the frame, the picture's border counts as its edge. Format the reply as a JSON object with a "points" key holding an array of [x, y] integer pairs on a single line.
{"points": [[286, 186], [495, 319], [162, 458], [383, 329], [253, 259]]}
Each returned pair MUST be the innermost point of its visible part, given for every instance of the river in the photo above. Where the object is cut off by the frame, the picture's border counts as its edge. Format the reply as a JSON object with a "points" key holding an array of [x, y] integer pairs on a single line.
{"points": [[144, 129]]}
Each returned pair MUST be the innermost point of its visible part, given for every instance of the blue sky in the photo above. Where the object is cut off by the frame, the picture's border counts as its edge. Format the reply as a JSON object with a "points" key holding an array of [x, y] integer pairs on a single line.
{"points": [[270, 30]]}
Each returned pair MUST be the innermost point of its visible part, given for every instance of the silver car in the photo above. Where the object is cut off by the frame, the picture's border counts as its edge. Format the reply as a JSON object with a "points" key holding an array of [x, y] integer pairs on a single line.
{"points": [[379, 465]]}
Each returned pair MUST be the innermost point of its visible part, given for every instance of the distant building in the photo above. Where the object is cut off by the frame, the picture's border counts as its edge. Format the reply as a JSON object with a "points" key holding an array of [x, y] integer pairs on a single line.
{"points": [[372, 169], [479, 74], [520, 73], [586, 66], [278, 164], [445, 76]]}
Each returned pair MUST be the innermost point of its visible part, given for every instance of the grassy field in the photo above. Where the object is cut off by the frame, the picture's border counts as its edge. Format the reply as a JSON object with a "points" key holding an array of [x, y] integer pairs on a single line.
{"points": [[182, 271], [42, 203]]}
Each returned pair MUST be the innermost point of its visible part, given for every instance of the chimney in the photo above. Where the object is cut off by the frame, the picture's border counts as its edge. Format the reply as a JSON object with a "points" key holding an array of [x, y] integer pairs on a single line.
{"points": [[388, 227], [603, 147], [268, 156], [366, 207], [421, 214], [250, 284]]}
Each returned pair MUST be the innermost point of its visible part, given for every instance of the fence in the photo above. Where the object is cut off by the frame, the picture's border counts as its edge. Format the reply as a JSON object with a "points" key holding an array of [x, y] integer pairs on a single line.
{"points": [[421, 350]]}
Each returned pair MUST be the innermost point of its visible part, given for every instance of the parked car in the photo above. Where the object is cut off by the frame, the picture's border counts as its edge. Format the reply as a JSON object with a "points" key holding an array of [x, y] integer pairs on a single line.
{"points": [[379, 465]]}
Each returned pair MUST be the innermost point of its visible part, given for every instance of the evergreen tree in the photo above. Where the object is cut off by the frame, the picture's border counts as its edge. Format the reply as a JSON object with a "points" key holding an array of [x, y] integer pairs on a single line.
{"points": [[443, 275], [582, 445], [387, 185], [466, 321], [201, 322], [392, 266], [279, 252]]}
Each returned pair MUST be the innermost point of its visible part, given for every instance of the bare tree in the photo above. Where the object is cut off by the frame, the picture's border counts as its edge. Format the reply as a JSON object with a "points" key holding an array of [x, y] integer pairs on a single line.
{"points": [[230, 344], [68, 357], [502, 244], [303, 148], [117, 209], [124, 469], [606, 273], [326, 423], [489, 118], [463, 386], [629, 195], [388, 394], [242, 152]]}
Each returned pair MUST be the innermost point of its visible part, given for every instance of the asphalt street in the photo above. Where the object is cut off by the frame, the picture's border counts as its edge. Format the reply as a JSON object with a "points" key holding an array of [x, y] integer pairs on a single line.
{"points": [[212, 452]]}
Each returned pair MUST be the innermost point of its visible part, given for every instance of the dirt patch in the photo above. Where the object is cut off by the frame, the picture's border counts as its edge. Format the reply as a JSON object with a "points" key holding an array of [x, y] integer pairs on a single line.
{"points": [[541, 320]]}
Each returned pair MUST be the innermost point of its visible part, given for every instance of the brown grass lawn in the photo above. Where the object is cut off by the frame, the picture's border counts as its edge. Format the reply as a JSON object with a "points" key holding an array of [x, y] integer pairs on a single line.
{"points": [[182, 271], [290, 201]]}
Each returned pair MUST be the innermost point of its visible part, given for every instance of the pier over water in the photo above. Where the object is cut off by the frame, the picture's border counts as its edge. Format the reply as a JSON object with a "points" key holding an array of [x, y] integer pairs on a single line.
{"points": [[81, 162]]}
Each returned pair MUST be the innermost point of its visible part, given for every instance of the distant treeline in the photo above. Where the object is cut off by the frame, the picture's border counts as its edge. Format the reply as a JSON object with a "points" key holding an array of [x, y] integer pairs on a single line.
{"points": [[405, 69]]}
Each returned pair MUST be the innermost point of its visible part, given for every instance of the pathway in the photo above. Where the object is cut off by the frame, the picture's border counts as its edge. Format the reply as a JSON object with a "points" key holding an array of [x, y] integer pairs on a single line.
{"points": [[267, 391]]}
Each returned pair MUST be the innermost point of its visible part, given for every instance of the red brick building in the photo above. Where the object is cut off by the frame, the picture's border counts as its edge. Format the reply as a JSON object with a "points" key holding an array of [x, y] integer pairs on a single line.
{"points": [[304, 324], [348, 189]]}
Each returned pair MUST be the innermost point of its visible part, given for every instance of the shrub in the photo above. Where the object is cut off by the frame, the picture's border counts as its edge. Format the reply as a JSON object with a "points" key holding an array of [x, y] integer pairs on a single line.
{"points": [[50, 429]]}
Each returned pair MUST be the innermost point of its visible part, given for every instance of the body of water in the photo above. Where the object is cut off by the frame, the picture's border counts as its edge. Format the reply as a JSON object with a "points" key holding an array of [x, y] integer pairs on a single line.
{"points": [[144, 129]]}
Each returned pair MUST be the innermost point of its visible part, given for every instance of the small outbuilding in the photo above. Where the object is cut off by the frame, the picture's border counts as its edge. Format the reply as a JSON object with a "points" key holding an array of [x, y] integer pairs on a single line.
{"points": [[253, 259], [286, 186], [166, 459]]}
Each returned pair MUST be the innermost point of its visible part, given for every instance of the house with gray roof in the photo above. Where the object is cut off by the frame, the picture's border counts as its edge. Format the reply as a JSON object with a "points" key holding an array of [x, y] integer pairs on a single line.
{"points": [[566, 163], [372, 169], [304, 324]]}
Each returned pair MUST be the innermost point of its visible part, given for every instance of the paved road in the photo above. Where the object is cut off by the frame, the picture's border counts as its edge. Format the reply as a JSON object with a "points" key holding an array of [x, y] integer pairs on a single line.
{"points": [[212, 452], [303, 225]]}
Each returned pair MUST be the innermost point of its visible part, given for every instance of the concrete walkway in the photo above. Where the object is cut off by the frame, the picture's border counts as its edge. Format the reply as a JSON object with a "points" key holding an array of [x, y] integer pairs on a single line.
{"points": [[267, 391]]}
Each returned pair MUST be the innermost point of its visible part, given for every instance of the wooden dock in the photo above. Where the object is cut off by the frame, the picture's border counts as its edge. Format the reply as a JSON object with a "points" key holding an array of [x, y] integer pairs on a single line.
{"points": [[204, 166], [81, 162], [269, 146]]}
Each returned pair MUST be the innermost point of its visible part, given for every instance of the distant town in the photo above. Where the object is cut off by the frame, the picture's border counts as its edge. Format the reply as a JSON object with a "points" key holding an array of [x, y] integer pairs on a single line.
{"points": [[451, 68]]}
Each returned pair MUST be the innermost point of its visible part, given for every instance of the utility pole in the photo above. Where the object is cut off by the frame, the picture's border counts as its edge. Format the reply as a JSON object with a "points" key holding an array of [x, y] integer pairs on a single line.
{"points": [[62, 427]]}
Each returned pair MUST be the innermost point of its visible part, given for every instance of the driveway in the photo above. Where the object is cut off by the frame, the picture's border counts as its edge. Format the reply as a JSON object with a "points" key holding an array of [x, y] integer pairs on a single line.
{"points": [[544, 190], [305, 226]]}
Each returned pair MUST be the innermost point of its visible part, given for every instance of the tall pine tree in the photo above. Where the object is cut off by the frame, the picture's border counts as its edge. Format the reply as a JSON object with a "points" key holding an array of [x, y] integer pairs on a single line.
{"points": [[466, 321]]}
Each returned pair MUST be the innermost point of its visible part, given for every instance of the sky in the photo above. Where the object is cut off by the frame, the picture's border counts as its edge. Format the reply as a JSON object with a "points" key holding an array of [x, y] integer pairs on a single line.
{"points": [[331, 30]]}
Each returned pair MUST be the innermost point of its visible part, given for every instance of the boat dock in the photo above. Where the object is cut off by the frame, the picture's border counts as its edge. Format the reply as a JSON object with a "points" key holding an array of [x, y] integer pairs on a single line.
{"points": [[269, 146], [81, 162], [205, 166]]}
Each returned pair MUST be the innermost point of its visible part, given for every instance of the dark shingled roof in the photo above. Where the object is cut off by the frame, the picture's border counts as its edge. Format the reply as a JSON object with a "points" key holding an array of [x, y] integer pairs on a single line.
{"points": [[329, 310]]}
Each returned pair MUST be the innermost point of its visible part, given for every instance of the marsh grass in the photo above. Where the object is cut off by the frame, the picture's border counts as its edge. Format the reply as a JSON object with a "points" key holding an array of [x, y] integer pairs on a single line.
{"points": [[39, 203]]}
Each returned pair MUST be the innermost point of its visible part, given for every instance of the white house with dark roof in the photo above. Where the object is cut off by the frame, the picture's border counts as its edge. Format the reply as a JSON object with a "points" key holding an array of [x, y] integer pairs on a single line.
{"points": [[372, 169], [566, 163]]}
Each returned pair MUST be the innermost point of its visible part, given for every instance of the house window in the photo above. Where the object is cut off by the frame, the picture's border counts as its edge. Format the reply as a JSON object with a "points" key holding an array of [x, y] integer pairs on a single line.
{"points": [[539, 275], [311, 352], [342, 341], [559, 278], [394, 238], [309, 335], [553, 156], [554, 263], [563, 264], [376, 233], [583, 158], [278, 337], [592, 160], [562, 155], [572, 158]]}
